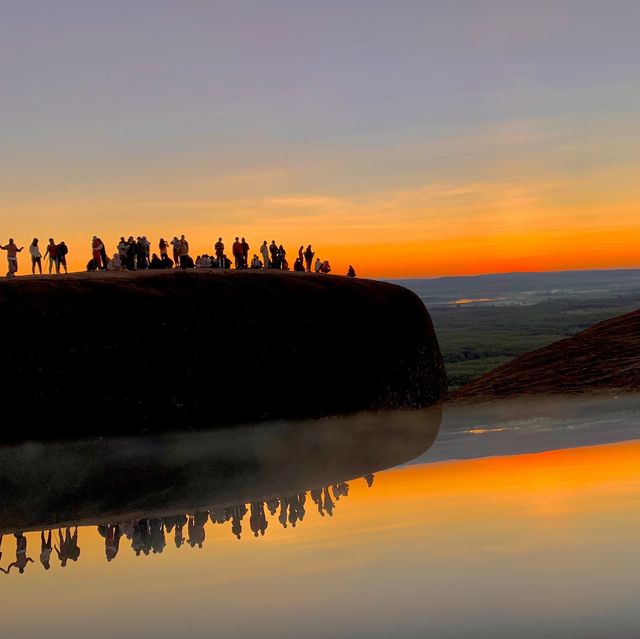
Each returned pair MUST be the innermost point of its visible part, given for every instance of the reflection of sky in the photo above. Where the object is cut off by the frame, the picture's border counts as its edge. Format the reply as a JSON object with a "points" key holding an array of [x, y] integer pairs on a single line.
{"points": [[502, 131], [527, 546]]}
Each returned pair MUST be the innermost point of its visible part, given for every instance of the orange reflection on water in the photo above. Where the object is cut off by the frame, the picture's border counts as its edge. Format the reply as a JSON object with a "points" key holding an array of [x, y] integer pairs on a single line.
{"points": [[521, 534]]}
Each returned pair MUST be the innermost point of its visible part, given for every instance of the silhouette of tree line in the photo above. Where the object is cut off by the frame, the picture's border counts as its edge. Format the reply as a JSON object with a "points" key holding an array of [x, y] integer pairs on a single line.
{"points": [[149, 535]]}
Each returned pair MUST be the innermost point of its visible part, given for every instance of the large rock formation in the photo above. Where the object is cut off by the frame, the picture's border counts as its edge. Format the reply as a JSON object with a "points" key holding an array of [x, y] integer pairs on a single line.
{"points": [[129, 353], [603, 357]]}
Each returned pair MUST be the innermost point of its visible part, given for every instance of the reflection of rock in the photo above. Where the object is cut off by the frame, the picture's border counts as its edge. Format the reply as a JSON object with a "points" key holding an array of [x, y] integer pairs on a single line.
{"points": [[45, 485], [107, 354]]}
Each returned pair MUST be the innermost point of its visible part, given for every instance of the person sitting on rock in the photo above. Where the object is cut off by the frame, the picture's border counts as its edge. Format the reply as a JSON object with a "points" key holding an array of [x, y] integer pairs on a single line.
{"points": [[156, 262], [318, 265], [298, 266], [114, 263], [326, 267], [351, 272], [255, 262]]}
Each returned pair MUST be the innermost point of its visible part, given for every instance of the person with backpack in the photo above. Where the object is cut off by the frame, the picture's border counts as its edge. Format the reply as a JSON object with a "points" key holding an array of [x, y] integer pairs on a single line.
{"points": [[63, 250]]}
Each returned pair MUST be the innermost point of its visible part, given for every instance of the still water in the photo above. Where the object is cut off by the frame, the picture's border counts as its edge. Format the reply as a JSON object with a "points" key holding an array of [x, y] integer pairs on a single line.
{"points": [[519, 519]]}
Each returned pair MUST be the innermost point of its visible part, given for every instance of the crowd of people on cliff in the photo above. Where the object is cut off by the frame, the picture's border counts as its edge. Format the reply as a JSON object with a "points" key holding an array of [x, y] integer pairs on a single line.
{"points": [[149, 536], [137, 254]]}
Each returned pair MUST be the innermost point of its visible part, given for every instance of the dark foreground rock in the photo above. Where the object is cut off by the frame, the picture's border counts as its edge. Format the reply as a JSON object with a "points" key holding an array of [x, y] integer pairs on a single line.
{"points": [[112, 354], [605, 357]]}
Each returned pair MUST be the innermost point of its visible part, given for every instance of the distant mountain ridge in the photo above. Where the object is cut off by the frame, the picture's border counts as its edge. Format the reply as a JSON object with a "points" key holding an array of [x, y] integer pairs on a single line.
{"points": [[603, 357]]}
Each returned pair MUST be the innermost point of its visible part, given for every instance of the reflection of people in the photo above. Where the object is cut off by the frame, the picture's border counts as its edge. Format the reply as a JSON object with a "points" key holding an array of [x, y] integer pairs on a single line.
{"points": [[111, 534], [369, 479], [68, 546], [21, 555], [45, 550]]}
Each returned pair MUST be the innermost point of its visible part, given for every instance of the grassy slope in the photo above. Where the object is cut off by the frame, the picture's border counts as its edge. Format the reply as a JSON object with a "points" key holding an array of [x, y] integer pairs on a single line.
{"points": [[477, 339]]}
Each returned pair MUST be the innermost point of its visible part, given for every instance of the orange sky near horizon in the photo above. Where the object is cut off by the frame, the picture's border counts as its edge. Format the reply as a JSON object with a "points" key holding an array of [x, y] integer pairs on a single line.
{"points": [[497, 138]]}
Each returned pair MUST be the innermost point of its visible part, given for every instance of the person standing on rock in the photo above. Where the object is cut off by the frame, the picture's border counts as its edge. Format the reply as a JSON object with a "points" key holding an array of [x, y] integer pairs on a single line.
{"points": [[36, 256], [308, 257], [273, 251], [164, 248], [264, 251], [52, 253], [12, 257], [96, 252], [63, 249], [236, 251], [219, 251], [175, 243], [245, 252]]}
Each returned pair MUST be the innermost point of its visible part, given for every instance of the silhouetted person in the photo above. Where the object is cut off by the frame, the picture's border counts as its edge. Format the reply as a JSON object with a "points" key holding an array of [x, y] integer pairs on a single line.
{"points": [[21, 555], [351, 272], [96, 253], [36, 256], [301, 254], [264, 251], [258, 520], [112, 541], [316, 497], [175, 243], [157, 539], [52, 254], [237, 514], [195, 529], [328, 504], [298, 266], [282, 258], [317, 265], [236, 251], [163, 247], [45, 550], [273, 252], [244, 246], [12, 257], [219, 251], [308, 257], [282, 517], [63, 251], [272, 505]]}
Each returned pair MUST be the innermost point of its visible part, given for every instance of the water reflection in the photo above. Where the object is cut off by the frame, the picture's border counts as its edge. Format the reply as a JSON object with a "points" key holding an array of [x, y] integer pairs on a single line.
{"points": [[148, 535], [157, 490]]}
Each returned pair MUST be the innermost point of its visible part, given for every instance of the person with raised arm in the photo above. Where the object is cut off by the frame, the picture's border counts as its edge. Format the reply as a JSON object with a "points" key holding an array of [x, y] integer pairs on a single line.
{"points": [[12, 256]]}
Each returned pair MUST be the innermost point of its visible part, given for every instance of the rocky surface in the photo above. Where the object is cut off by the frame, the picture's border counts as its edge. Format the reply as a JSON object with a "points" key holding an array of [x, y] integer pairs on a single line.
{"points": [[131, 353], [605, 357]]}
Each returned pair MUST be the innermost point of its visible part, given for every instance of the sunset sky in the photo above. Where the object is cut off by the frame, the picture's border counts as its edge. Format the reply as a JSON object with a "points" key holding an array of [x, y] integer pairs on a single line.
{"points": [[410, 138]]}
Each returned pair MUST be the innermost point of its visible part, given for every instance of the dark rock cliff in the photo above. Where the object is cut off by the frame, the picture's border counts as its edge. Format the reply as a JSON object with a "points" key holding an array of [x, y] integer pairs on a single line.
{"points": [[131, 353]]}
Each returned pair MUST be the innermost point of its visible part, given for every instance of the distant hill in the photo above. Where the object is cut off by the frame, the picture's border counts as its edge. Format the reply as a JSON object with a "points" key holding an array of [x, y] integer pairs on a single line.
{"points": [[524, 288], [603, 357]]}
